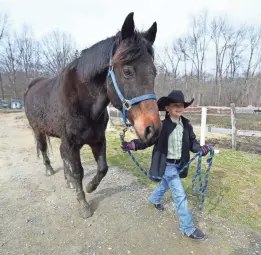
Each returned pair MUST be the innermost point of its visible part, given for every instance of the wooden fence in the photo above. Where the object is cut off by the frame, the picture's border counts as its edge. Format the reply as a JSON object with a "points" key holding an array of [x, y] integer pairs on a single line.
{"points": [[116, 119]]}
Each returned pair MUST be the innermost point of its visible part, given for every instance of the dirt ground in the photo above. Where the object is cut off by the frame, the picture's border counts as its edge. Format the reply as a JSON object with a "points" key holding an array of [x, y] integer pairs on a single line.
{"points": [[39, 215]]}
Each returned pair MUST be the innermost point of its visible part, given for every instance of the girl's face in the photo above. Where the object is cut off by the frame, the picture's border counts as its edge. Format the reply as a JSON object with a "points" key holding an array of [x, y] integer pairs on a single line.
{"points": [[175, 109]]}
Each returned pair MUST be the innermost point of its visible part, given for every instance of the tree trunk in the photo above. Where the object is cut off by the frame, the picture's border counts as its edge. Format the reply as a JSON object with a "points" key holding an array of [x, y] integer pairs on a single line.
{"points": [[219, 91], [2, 88]]}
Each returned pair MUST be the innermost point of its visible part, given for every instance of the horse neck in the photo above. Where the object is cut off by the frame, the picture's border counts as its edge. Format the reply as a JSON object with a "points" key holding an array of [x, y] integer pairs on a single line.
{"points": [[92, 68], [92, 65]]}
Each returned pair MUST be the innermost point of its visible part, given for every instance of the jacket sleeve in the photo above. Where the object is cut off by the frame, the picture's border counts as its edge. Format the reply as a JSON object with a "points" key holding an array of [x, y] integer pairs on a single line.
{"points": [[194, 144], [139, 145]]}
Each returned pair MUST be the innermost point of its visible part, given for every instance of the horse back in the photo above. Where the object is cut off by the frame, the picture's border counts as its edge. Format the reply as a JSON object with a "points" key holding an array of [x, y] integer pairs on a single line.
{"points": [[39, 88], [32, 83], [39, 102]]}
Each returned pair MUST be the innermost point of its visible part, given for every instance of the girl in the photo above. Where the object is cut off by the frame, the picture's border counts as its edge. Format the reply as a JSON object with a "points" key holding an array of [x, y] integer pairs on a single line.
{"points": [[170, 153]]}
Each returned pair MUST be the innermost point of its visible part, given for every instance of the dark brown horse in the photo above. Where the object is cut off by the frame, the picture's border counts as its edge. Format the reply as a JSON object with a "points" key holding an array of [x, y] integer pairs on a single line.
{"points": [[72, 105]]}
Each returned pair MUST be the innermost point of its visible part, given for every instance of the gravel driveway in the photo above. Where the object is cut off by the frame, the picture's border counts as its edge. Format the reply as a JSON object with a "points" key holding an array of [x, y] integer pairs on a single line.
{"points": [[39, 214]]}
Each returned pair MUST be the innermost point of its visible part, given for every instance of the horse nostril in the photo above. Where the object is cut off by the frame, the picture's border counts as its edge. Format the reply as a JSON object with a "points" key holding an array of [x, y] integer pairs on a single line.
{"points": [[149, 132]]}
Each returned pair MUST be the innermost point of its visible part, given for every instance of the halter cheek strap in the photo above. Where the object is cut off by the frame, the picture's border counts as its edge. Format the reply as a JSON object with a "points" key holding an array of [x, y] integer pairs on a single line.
{"points": [[126, 103]]}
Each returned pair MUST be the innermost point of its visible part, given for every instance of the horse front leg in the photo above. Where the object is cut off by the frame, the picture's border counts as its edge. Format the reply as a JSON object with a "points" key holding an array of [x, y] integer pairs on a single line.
{"points": [[70, 154], [99, 153]]}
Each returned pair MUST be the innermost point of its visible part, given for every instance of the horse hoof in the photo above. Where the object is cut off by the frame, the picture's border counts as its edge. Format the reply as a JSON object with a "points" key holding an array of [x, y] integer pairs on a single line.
{"points": [[90, 187], [85, 210]]}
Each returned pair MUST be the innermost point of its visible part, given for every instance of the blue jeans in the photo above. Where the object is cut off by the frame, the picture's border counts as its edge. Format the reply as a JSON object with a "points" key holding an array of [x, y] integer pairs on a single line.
{"points": [[172, 181]]}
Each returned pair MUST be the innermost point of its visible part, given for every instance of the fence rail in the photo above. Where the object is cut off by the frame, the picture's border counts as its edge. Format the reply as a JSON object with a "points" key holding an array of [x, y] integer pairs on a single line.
{"points": [[115, 117]]}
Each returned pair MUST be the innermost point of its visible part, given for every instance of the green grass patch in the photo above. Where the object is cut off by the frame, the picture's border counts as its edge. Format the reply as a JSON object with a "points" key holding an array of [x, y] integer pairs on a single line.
{"points": [[234, 189]]}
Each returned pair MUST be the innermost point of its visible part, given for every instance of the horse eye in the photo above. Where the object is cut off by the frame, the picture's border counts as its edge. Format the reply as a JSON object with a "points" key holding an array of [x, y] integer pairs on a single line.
{"points": [[126, 71]]}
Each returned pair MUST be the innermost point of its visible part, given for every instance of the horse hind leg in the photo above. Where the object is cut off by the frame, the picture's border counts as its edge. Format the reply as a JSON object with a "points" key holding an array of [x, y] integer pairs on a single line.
{"points": [[99, 153], [42, 146]]}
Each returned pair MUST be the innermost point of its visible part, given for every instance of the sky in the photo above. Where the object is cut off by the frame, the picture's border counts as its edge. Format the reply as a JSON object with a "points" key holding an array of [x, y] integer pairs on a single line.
{"points": [[89, 21]]}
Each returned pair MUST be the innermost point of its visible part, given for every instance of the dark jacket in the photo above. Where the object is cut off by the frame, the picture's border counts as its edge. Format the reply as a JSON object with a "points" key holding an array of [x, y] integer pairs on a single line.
{"points": [[160, 150]]}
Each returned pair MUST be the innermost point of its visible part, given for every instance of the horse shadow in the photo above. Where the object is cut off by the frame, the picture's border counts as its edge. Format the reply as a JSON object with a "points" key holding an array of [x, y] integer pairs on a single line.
{"points": [[58, 169], [90, 172], [107, 193], [214, 195], [217, 190]]}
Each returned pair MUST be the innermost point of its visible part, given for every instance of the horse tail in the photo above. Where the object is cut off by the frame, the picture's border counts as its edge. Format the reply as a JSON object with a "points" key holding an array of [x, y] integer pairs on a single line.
{"points": [[37, 147], [47, 140]]}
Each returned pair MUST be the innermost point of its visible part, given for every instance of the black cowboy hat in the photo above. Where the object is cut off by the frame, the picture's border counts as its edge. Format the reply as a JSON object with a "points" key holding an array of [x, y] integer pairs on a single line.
{"points": [[176, 96]]}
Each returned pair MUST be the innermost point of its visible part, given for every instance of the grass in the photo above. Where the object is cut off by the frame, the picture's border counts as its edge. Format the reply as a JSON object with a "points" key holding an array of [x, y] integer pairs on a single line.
{"points": [[234, 190], [244, 121], [250, 144]]}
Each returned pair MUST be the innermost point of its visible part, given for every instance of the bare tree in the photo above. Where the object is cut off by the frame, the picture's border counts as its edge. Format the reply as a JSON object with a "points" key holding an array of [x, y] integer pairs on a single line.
{"points": [[174, 56], [163, 75], [182, 46], [254, 57], [162, 65], [58, 50], [9, 62], [222, 35], [29, 54], [235, 52], [2, 86], [3, 25], [235, 78], [197, 43]]}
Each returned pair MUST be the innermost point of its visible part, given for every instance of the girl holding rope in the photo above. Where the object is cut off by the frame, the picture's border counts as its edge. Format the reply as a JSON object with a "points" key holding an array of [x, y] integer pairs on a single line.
{"points": [[170, 153]]}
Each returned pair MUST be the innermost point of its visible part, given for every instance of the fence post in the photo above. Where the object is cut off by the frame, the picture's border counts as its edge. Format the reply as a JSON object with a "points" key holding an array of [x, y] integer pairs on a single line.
{"points": [[203, 128], [233, 124]]}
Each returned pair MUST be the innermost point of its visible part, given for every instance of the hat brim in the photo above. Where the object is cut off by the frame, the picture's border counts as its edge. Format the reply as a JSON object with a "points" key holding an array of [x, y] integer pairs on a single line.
{"points": [[164, 101]]}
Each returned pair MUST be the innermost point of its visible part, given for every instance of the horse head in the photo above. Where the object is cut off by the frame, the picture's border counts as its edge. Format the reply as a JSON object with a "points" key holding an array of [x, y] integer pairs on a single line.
{"points": [[132, 77]]}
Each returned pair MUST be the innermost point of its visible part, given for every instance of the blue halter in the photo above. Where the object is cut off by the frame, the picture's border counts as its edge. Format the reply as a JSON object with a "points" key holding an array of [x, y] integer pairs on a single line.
{"points": [[126, 104]]}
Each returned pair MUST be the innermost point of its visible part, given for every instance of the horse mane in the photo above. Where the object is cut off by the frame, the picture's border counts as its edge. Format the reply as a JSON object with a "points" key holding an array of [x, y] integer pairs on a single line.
{"points": [[94, 61], [132, 49]]}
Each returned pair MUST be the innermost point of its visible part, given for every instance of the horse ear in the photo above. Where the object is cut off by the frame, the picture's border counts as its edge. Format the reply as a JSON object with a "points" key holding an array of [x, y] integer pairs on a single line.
{"points": [[150, 35], [127, 29]]}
